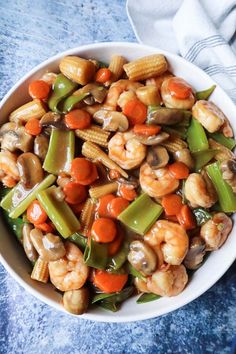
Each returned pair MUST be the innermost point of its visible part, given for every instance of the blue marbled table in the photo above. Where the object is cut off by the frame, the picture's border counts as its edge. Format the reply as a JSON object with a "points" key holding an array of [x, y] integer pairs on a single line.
{"points": [[30, 32]]}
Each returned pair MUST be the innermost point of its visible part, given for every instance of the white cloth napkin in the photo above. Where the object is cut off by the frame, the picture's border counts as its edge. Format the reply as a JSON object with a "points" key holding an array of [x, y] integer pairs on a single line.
{"points": [[202, 31]]}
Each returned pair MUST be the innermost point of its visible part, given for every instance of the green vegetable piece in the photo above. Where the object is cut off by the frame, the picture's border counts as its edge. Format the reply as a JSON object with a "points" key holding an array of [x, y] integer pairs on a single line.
{"points": [[117, 261], [58, 212], [71, 101], [19, 198], [141, 214], [181, 131], [136, 273], [95, 255], [110, 306], [227, 198], [62, 88], [204, 95], [203, 157], [201, 216], [168, 116], [147, 297], [117, 297], [79, 240], [230, 143], [15, 224], [196, 137], [61, 151]]}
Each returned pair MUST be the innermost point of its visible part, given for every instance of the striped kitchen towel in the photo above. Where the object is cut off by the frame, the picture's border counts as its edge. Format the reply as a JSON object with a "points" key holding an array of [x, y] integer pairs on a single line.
{"points": [[202, 31]]}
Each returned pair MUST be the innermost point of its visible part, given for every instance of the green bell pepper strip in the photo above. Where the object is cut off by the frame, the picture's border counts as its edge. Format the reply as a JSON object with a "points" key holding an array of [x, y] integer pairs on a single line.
{"points": [[201, 216], [117, 261], [95, 255], [79, 240], [19, 198], [62, 88], [196, 137], [60, 152], [203, 157], [136, 273], [58, 212], [205, 94], [141, 214], [230, 143], [71, 101], [147, 297], [227, 198]]}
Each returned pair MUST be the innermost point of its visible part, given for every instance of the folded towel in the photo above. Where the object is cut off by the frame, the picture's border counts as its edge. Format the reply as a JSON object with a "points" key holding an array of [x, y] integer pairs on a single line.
{"points": [[202, 31]]}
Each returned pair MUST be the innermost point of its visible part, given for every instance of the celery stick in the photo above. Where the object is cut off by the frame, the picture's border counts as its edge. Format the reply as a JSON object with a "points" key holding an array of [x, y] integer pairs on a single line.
{"points": [[58, 212], [196, 137], [227, 198], [141, 214], [19, 198]]}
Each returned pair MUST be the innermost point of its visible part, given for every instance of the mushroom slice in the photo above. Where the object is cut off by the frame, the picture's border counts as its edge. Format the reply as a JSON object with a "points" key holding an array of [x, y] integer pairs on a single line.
{"points": [[30, 169], [96, 93], [41, 143], [142, 257], [228, 169], [157, 157], [13, 137], [30, 251], [52, 119], [152, 140], [196, 253], [111, 120]]}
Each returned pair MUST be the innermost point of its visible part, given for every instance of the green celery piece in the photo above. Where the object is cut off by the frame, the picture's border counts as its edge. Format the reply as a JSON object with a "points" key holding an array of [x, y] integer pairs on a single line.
{"points": [[196, 137], [203, 157], [227, 198], [147, 297], [60, 152], [117, 297], [58, 212], [95, 255], [117, 261], [71, 101], [205, 94], [230, 143], [79, 240], [136, 273], [19, 198], [141, 214], [62, 88], [201, 216]]}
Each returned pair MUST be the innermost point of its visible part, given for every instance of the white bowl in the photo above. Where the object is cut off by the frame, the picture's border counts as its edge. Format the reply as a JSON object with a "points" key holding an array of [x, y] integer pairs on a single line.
{"points": [[11, 255]]}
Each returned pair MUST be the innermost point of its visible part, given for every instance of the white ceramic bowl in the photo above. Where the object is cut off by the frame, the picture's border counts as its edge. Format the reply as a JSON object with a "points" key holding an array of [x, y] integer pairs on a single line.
{"points": [[11, 255]]}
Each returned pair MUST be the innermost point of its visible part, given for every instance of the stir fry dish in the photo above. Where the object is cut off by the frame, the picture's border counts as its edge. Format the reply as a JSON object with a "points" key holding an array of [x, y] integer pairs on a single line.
{"points": [[117, 180]]}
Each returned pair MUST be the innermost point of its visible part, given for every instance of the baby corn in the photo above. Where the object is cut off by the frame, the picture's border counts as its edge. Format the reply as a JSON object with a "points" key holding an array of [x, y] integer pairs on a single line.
{"points": [[116, 68], [32, 109], [100, 191], [94, 134], [40, 271], [77, 69], [87, 216]]}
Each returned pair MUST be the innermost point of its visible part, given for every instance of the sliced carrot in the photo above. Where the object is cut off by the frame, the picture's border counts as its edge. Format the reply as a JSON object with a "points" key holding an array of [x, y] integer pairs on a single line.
{"points": [[127, 192], [135, 111], [83, 171], [179, 88], [186, 218], [114, 246], [103, 75], [33, 127], [108, 282], [39, 89], [114, 174], [103, 203], [172, 204], [179, 170], [171, 218], [117, 205], [147, 130], [74, 193], [35, 213], [103, 230], [46, 227], [78, 119]]}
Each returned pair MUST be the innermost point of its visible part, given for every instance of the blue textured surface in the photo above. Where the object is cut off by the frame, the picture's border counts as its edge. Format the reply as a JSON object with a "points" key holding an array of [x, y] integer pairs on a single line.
{"points": [[30, 32]]}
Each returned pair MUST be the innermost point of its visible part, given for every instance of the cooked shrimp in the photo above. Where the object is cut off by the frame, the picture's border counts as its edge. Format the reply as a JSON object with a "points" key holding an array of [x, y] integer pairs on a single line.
{"points": [[209, 115], [187, 99], [157, 81], [215, 231], [168, 283], [171, 238], [227, 129], [141, 285], [116, 90], [157, 183], [69, 272], [9, 173], [127, 151], [199, 191]]}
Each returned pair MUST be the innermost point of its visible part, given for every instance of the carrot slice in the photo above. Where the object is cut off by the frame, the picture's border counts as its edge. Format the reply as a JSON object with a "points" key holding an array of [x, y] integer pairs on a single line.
{"points": [[46, 227], [78, 119], [135, 111], [74, 192], [114, 174], [103, 230], [186, 218], [33, 127], [117, 205], [179, 88], [172, 204], [127, 192], [83, 171], [179, 170], [39, 89], [35, 213], [103, 75], [114, 246], [103, 203], [108, 282], [147, 130]]}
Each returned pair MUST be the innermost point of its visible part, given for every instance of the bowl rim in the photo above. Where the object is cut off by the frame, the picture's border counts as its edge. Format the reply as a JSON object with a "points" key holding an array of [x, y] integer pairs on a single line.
{"points": [[104, 316]]}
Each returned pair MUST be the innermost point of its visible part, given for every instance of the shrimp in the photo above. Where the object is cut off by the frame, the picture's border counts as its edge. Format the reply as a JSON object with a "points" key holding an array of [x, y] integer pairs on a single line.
{"points": [[158, 80], [171, 238], [168, 283], [169, 98], [69, 272], [199, 191], [210, 116], [116, 90], [127, 151], [9, 173], [215, 231], [141, 285], [157, 183]]}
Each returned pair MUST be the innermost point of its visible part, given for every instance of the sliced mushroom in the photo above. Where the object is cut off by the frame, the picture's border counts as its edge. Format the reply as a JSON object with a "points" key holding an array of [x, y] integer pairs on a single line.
{"points": [[13, 137], [196, 253], [30, 251], [167, 116], [152, 140], [184, 156], [142, 257], [41, 143], [96, 93], [76, 301], [30, 169], [52, 119], [228, 169], [111, 120], [157, 157]]}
